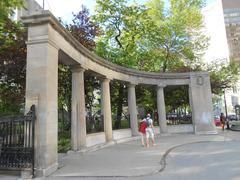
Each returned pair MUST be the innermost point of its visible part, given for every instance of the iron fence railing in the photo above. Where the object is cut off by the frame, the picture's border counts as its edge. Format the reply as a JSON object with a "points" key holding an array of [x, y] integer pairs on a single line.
{"points": [[177, 119], [95, 123], [121, 121], [17, 141]]}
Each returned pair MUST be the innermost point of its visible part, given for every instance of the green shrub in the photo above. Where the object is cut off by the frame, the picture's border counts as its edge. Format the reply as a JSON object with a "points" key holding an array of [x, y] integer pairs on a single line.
{"points": [[64, 145]]}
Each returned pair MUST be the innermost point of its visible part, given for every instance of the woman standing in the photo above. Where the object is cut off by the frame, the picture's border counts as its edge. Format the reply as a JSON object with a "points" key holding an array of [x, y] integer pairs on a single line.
{"points": [[142, 130], [222, 120]]}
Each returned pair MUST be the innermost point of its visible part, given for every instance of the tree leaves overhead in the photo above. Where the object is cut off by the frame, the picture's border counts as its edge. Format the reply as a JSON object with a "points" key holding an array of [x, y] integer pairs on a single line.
{"points": [[7, 8], [177, 33], [223, 75], [12, 66], [121, 29], [83, 29], [151, 37]]}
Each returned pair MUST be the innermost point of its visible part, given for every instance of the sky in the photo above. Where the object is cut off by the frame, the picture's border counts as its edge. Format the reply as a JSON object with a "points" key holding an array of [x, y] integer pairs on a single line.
{"points": [[64, 8]]}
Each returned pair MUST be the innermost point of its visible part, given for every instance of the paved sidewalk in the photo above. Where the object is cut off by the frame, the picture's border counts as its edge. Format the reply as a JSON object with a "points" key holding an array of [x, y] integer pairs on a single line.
{"points": [[131, 160], [176, 156]]}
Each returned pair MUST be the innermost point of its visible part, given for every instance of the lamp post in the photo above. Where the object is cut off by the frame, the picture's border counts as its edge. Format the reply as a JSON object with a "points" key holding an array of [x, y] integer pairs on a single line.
{"points": [[225, 103]]}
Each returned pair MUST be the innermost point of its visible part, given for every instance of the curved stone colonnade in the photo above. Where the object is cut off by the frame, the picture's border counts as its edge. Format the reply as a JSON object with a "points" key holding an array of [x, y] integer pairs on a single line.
{"points": [[49, 43]]}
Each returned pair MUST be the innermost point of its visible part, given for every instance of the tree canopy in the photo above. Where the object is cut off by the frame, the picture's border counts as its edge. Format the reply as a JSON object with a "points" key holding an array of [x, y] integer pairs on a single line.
{"points": [[150, 37], [158, 37], [154, 36], [224, 75], [84, 30], [12, 66], [7, 8]]}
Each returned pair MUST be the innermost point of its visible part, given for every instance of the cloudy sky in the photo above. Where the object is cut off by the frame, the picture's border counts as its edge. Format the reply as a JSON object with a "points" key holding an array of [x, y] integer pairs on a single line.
{"points": [[64, 8]]}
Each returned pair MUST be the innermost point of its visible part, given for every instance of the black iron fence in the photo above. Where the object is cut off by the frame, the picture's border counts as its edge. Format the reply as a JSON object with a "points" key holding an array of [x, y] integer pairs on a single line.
{"points": [[95, 123], [121, 121], [176, 119], [17, 141]]}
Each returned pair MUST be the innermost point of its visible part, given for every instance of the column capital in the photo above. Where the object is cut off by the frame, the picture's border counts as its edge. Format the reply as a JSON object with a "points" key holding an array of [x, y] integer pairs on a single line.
{"points": [[161, 85], [133, 84], [106, 79], [77, 68]]}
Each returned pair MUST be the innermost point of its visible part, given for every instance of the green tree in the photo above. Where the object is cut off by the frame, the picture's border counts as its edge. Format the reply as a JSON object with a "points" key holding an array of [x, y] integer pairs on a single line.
{"points": [[175, 37], [149, 37], [12, 57], [120, 31], [118, 43], [84, 30], [13, 61], [7, 7], [12, 67], [223, 75]]}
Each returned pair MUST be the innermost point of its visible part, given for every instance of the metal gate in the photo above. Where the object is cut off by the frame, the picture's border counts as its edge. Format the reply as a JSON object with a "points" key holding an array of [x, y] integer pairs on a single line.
{"points": [[17, 141]]}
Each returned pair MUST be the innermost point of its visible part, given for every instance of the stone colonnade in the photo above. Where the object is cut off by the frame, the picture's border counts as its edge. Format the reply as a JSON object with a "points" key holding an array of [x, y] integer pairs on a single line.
{"points": [[78, 122], [48, 44]]}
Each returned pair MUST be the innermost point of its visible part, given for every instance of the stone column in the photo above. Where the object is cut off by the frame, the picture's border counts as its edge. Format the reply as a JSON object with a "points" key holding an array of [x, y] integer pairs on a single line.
{"points": [[191, 104], [106, 109], [78, 125], [161, 110], [42, 82], [201, 103], [132, 109]]}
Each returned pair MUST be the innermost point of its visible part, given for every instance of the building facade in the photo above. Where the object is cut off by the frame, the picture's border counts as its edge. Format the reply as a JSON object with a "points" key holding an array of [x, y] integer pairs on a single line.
{"points": [[222, 26], [231, 10]]}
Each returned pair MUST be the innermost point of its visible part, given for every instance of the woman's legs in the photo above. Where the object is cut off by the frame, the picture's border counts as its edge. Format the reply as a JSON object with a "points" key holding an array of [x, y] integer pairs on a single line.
{"points": [[142, 139]]}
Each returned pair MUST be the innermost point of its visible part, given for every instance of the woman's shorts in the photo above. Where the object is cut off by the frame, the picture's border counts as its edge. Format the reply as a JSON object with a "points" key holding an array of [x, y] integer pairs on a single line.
{"points": [[149, 133]]}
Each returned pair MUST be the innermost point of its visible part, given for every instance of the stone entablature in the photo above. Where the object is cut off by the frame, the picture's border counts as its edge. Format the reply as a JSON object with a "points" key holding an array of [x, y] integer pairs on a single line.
{"points": [[83, 56]]}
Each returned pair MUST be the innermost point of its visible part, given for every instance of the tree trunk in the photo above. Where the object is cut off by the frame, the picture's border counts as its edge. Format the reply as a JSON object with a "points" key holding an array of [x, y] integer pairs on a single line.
{"points": [[119, 106], [69, 107]]}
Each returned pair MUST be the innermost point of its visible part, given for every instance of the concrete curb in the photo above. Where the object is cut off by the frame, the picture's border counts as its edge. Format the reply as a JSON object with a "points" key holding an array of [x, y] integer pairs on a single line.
{"points": [[163, 159]]}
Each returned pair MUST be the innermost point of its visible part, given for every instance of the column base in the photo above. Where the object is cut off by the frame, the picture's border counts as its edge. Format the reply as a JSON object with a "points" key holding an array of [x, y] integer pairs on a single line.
{"points": [[134, 134], [26, 174], [165, 134], [47, 171], [206, 132], [110, 143], [83, 149], [205, 129]]}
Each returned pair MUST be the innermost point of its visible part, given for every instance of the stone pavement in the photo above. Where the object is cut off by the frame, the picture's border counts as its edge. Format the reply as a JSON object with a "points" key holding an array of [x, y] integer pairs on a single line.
{"points": [[176, 156], [182, 156]]}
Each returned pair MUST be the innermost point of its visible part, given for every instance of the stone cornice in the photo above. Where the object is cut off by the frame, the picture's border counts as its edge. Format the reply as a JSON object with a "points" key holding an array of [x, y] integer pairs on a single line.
{"points": [[47, 18]]}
